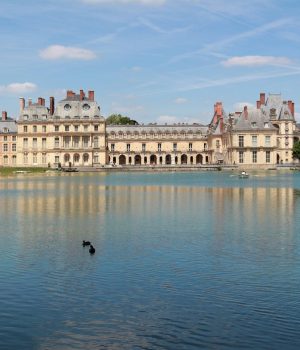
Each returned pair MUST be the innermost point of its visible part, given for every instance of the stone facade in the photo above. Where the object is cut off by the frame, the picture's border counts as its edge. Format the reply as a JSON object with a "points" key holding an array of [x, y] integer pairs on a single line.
{"points": [[74, 134]]}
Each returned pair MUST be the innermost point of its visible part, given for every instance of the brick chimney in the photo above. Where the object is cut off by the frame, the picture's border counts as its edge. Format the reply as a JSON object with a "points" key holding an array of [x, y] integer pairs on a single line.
{"points": [[262, 98], [29, 101], [82, 94], [258, 104], [290, 105], [293, 109], [246, 112], [43, 102], [4, 115], [91, 95], [70, 93], [52, 103], [219, 109], [40, 101], [22, 104]]}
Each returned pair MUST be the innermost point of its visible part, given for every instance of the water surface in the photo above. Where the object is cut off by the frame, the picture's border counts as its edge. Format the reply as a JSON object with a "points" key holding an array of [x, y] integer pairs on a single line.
{"points": [[183, 261]]}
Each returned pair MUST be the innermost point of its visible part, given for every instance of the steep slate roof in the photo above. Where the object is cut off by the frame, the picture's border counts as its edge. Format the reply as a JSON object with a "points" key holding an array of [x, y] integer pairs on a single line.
{"points": [[9, 124], [276, 108], [255, 120]]}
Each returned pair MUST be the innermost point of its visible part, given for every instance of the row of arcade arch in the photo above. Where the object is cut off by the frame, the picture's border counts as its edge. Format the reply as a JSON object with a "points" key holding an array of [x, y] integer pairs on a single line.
{"points": [[158, 160]]}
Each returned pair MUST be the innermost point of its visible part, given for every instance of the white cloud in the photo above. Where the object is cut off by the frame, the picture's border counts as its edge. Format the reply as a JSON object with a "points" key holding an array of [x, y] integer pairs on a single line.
{"points": [[248, 61], [180, 100], [18, 88], [239, 106], [171, 119], [56, 52], [138, 2], [136, 69]]}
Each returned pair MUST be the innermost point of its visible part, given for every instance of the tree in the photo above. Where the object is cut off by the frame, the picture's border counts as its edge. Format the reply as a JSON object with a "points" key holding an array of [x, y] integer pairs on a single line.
{"points": [[296, 150], [119, 119]]}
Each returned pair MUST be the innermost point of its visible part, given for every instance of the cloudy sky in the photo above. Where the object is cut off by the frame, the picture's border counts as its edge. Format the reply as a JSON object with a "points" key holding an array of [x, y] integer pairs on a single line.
{"points": [[153, 60]]}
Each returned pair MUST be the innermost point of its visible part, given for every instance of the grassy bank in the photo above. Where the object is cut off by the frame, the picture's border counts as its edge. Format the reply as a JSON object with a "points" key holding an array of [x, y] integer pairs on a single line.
{"points": [[13, 171]]}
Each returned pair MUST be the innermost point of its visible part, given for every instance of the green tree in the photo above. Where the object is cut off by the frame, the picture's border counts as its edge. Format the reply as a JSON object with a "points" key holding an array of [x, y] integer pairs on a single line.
{"points": [[296, 150], [119, 119]]}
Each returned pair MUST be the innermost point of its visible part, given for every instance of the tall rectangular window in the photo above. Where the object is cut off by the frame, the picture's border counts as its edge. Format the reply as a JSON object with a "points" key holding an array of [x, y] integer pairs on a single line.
{"points": [[268, 156], [128, 147], [34, 158], [14, 160], [143, 147], [67, 128], [25, 143], [76, 142], [95, 127], [241, 157], [5, 147], [25, 158], [44, 140], [56, 159], [268, 141], [34, 128], [85, 140], [34, 143], [56, 127], [159, 147], [254, 140], [44, 128], [217, 143], [241, 141], [25, 128], [67, 141], [112, 147], [96, 141], [190, 147], [174, 147], [254, 156], [56, 142], [14, 147]]}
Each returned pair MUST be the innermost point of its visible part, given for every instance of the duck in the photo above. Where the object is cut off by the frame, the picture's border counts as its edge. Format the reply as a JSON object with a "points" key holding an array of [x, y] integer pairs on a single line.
{"points": [[92, 250], [84, 243]]}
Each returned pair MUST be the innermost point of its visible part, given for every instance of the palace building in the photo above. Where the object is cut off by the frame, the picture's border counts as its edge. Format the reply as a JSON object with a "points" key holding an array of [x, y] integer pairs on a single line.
{"points": [[73, 133]]}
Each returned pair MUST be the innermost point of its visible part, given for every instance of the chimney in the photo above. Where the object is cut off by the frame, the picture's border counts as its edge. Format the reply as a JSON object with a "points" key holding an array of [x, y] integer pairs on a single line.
{"points": [[293, 109], [43, 102], [219, 109], [4, 115], [246, 112], [22, 104], [262, 98], [70, 93], [40, 101], [29, 101], [91, 95], [290, 105], [81, 95], [258, 104], [51, 105]]}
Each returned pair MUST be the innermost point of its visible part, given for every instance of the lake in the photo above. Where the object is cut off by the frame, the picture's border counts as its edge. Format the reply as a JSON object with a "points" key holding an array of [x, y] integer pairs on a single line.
{"points": [[183, 261]]}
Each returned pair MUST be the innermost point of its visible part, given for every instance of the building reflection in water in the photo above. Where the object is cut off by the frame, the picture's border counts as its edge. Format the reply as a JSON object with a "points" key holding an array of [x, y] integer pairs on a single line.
{"points": [[88, 203]]}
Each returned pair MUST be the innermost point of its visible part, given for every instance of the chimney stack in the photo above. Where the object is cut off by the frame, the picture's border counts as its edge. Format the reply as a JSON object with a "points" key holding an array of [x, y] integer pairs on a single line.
{"points": [[29, 101], [81, 95], [219, 109], [262, 98], [70, 93], [246, 112], [51, 105], [4, 115], [22, 104], [91, 95], [290, 105], [293, 109], [258, 104], [43, 102], [40, 101]]}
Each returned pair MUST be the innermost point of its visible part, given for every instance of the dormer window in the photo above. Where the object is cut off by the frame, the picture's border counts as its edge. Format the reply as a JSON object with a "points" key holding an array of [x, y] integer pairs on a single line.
{"points": [[44, 116], [67, 107], [76, 117], [25, 117], [86, 107], [35, 117], [86, 117], [5, 130], [253, 124], [67, 117], [266, 125]]}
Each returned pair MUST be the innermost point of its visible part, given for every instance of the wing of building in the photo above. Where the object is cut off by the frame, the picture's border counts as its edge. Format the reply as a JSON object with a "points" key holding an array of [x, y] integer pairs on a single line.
{"points": [[73, 133]]}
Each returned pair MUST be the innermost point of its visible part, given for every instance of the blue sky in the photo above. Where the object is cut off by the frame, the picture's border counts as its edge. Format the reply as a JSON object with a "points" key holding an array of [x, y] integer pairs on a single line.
{"points": [[153, 60]]}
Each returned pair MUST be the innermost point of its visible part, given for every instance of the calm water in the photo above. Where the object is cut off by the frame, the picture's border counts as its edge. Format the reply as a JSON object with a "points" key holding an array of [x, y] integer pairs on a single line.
{"points": [[183, 261]]}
